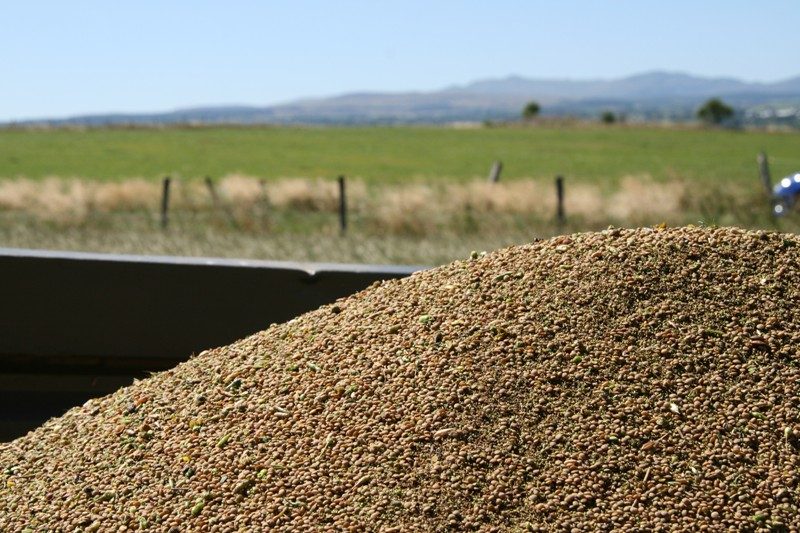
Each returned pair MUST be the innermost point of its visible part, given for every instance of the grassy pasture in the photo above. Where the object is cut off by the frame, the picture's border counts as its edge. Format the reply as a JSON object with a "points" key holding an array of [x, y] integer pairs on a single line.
{"points": [[416, 195], [391, 155]]}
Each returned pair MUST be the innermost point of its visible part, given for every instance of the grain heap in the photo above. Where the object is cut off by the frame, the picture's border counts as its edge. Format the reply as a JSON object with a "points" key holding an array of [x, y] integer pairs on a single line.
{"points": [[629, 379]]}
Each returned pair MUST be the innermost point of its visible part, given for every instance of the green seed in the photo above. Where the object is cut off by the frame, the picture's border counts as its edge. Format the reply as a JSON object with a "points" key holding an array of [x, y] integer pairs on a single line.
{"points": [[243, 487], [198, 507], [503, 276]]}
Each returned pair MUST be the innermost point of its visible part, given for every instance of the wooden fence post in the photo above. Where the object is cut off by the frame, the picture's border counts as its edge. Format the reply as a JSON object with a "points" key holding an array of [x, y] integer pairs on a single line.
{"points": [[165, 204], [763, 170], [494, 172], [342, 206], [560, 217], [212, 191], [263, 203], [219, 204]]}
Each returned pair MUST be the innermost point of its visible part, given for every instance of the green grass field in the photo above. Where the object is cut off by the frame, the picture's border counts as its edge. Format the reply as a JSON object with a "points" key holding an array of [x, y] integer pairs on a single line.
{"points": [[390, 155], [417, 195]]}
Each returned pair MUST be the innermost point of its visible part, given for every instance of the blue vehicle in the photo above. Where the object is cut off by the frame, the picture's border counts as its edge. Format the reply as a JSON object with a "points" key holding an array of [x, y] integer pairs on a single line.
{"points": [[785, 193]]}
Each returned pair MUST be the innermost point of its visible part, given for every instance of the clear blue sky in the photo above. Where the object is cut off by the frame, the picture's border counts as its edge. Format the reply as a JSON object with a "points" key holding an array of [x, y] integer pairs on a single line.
{"points": [[61, 58]]}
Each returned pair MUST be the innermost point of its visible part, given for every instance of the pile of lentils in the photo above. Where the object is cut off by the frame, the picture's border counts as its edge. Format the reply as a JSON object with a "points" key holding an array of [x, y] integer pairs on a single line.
{"points": [[636, 380]]}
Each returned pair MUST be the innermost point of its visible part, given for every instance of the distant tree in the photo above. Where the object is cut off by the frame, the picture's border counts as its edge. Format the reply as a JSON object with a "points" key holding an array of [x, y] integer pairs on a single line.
{"points": [[530, 110], [714, 111], [608, 117]]}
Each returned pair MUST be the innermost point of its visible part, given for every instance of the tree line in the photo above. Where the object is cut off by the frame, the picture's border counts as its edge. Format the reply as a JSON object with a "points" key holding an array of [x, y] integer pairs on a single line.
{"points": [[714, 112]]}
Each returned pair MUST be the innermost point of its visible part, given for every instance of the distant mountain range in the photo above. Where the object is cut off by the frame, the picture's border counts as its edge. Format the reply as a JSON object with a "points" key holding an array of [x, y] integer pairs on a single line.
{"points": [[653, 95]]}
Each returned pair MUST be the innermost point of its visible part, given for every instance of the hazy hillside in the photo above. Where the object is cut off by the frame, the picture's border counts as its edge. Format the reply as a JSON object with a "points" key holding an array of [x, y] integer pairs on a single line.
{"points": [[643, 96]]}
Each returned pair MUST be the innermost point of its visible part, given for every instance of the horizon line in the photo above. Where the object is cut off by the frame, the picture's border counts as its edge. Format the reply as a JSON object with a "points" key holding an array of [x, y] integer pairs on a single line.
{"points": [[356, 92]]}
